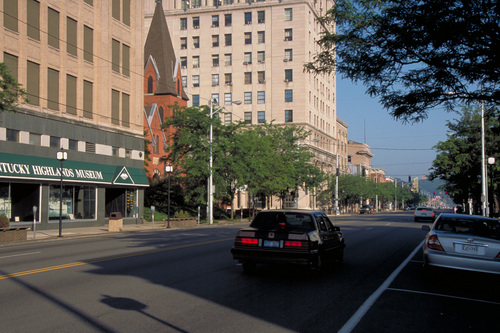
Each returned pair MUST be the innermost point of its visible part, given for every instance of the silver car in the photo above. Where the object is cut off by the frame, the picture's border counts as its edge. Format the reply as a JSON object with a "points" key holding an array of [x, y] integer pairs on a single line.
{"points": [[465, 242], [424, 213]]}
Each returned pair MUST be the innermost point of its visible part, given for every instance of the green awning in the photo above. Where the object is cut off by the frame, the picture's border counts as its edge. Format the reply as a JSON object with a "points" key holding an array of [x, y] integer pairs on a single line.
{"points": [[14, 166]]}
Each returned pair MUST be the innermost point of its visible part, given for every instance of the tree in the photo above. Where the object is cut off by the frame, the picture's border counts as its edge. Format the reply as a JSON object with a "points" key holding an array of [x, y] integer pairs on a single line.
{"points": [[11, 92], [411, 54], [230, 162], [352, 189], [267, 159], [278, 163], [458, 160]]}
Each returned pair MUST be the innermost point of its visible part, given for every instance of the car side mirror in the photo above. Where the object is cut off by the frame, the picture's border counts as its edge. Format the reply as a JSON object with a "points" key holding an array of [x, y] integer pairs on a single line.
{"points": [[336, 228], [426, 228]]}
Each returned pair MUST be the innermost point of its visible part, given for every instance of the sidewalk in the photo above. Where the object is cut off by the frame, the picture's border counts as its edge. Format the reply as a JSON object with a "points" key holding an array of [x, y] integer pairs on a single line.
{"points": [[88, 231], [104, 230]]}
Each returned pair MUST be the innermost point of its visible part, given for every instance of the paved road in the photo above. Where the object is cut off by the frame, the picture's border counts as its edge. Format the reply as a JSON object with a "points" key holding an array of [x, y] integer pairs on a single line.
{"points": [[186, 281]]}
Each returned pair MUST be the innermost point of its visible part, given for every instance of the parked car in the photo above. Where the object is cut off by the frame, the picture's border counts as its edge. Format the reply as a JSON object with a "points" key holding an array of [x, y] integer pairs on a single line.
{"points": [[365, 209], [465, 242], [289, 236], [424, 214]]}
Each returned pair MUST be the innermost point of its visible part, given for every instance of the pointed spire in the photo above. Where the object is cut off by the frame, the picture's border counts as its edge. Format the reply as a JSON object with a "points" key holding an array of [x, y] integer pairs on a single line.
{"points": [[159, 46]]}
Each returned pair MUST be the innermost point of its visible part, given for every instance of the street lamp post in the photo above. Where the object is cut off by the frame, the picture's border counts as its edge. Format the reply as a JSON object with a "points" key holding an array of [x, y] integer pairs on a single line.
{"points": [[168, 171], [337, 211], [210, 171], [484, 179], [62, 156]]}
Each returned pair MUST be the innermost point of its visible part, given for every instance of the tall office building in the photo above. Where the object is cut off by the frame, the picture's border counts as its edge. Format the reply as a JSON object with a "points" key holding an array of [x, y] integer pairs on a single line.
{"points": [[254, 52], [77, 61]]}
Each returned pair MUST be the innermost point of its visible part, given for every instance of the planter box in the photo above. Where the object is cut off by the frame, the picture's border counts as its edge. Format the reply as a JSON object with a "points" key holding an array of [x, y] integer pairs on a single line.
{"points": [[181, 223], [13, 234]]}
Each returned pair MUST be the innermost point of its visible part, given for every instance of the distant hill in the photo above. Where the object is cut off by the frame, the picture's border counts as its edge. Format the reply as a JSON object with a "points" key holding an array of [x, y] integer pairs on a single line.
{"points": [[434, 186], [429, 186]]}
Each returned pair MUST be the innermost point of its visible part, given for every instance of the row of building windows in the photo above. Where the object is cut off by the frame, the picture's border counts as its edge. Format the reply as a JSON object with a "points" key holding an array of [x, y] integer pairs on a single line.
{"points": [[120, 12], [228, 39], [228, 78], [228, 59], [228, 19], [43, 140], [10, 14], [261, 115], [261, 97], [52, 82], [119, 100]]}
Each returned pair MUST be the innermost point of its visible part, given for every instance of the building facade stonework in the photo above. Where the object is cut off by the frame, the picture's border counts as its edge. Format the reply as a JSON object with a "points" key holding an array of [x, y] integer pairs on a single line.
{"points": [[77, 61]]}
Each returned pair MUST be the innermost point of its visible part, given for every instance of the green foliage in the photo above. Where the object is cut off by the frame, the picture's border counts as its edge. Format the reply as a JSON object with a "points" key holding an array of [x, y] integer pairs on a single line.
{"points": [[11, 92], [182, 214], [268, 159], [458, 159], [354, 188], [405, 55], [4, 221]]}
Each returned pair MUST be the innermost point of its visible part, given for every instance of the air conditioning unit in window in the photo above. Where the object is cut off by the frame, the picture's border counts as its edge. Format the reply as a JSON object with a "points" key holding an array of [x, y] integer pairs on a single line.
{"points": [[229, 84], [262, 61], [245, 63], [215, 84], [285, 60], [262, 81]]}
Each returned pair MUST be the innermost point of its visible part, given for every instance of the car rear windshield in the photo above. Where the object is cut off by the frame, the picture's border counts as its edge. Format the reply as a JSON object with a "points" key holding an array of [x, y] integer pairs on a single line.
{"points": [[470, 226], [424, 208], [283, 220]]}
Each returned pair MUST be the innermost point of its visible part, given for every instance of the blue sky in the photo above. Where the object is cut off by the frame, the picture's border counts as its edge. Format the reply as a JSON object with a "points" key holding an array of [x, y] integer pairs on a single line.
{"points": [[364, 114]]}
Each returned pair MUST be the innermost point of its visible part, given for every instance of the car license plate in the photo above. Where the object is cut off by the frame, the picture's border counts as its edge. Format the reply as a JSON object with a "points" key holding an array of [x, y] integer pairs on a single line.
{"points": [[470, 249], [270, 243]]}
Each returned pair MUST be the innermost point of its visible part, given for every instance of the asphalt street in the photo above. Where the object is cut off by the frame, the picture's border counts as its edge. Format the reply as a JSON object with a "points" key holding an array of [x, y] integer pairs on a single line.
{"points": [[184, 280]]}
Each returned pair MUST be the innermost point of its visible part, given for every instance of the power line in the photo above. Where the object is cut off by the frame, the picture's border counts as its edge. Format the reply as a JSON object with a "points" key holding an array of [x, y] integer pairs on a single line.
{"points": [[410, 149]]}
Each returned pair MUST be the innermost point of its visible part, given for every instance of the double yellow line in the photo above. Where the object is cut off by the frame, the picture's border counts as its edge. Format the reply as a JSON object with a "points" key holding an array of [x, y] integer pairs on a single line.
{"points": [[92, 261]]}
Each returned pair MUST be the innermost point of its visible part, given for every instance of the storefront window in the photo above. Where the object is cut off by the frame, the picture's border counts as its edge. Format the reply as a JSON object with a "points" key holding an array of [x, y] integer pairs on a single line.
{"points": [[5, 203], [121, 200], [78, 202], [17, 200]]}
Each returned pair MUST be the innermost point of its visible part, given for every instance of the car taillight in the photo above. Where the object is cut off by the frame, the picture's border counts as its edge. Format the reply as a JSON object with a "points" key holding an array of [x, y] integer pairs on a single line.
{"points": [[295, 244], [432, 214], [415, 214], [498, 255], [248, 241], [433, 243]]}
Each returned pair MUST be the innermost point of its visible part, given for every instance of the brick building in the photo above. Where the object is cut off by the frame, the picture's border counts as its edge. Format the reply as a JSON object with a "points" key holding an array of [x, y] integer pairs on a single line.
{"points": [[162, 88]]}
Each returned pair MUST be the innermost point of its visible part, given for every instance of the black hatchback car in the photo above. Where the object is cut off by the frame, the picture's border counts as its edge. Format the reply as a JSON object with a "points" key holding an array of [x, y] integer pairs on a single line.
{"points": [[289, 236]]}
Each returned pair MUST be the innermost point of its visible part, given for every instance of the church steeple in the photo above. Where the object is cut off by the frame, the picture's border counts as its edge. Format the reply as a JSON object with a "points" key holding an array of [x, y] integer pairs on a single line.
{"points": [[159, 48]]}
